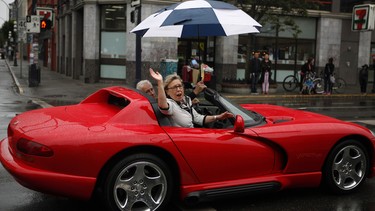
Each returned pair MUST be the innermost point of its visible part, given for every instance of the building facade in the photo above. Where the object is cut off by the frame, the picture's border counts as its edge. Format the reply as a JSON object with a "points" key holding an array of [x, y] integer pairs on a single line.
{"points": [[94, 43]]}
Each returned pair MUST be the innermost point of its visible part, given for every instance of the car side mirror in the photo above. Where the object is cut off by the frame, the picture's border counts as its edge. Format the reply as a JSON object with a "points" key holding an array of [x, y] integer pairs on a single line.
{"points": [[239, 124]]}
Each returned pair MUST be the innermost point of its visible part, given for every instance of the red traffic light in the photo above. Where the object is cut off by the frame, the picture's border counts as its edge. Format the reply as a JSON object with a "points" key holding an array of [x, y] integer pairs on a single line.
{"points": [[45, 24]]}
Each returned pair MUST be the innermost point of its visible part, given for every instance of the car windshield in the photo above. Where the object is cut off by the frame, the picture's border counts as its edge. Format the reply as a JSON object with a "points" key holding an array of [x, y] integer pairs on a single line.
{"points": [[251, 118]]}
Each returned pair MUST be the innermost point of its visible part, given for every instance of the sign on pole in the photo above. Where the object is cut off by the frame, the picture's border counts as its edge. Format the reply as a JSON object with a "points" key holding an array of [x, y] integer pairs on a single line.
{"points": [[363, 17], [21, 23], [135, 3], [32, 24]]}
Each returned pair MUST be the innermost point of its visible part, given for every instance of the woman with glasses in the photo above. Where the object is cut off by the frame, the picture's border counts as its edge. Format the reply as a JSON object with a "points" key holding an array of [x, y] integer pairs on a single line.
{"points": [[178, 106]]}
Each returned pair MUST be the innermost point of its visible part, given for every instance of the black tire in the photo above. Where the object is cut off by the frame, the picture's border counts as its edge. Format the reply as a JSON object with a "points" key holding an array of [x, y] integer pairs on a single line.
{"points": [[346, 167], [318, 86], [290, 83], [139, 182], [339, 85]]}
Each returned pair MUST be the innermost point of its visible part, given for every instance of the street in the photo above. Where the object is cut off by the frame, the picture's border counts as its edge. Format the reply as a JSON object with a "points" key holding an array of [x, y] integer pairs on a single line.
{"points": [[15, 197]]}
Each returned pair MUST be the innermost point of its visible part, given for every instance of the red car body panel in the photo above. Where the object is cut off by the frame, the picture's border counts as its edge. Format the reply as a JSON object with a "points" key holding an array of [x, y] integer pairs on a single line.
{"points": [[290, 148], [46, 181]]}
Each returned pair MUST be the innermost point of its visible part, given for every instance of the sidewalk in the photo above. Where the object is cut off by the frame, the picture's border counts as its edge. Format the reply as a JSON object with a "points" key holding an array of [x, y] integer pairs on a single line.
{"points": [[54, 87], [60, 89]]}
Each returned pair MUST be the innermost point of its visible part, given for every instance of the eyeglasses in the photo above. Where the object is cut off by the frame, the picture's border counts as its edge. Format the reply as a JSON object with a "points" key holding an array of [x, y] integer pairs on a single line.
{"points": [[179, 86]]}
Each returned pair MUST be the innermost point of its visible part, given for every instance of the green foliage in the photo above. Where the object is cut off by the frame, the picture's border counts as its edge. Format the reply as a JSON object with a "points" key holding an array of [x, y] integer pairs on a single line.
{"points": [[269, 11], [4, 31], [258, 9]]}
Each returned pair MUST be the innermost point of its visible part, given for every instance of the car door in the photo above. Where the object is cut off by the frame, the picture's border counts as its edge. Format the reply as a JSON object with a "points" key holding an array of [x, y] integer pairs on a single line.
{"points": [[221, 154]]}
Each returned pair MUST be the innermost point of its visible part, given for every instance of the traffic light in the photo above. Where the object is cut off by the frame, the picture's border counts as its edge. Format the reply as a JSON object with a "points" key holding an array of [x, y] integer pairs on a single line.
{"points": [[45, 24]]}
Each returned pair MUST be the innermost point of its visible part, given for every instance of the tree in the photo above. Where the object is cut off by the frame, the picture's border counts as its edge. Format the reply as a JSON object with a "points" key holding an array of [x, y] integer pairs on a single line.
{"points": [[269, 11], [4, 32]]}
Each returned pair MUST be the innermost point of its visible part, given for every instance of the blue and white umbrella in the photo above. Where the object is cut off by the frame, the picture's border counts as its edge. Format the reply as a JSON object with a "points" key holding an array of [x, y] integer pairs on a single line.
{"points": [[197, 18]]}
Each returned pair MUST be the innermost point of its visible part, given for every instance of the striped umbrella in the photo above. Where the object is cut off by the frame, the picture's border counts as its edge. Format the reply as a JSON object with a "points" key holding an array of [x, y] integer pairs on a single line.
{"points": [[197, 18]]}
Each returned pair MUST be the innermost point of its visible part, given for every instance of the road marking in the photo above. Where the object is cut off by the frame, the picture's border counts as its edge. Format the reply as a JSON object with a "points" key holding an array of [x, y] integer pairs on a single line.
{"points": [[41, 103], [195, 208]]}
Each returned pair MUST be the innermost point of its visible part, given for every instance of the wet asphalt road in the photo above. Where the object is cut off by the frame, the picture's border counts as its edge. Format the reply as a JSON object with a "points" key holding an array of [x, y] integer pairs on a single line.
{"points": [[14, 197]]}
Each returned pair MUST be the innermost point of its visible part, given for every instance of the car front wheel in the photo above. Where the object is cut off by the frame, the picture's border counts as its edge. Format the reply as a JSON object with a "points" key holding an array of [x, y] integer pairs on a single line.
{"points": [[139, 182], [346, 167]]}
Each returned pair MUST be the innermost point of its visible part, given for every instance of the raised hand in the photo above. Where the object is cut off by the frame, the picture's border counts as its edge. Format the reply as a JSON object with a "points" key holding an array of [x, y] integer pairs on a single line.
{"points": [[156, 75]]}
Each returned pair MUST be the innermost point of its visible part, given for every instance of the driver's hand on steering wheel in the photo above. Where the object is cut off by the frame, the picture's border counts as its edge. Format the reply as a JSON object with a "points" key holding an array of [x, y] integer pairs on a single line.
{"points": [[224, 115]]}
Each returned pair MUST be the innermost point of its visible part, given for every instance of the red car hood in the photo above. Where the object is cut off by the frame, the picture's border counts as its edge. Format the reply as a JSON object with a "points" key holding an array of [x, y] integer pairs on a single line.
{"points": [[279, 114]]}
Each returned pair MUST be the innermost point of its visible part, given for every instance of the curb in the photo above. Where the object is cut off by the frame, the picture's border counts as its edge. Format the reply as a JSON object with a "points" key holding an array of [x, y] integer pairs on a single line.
{"points": [[300, 96], [15, 79], [21, 91]]}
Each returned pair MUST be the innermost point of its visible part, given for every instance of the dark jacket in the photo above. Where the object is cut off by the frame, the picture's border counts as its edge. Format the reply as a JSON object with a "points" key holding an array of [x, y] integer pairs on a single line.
{"points": [[363, 73], [306, 68], [265, 67], [255, 66], [329, 69]]}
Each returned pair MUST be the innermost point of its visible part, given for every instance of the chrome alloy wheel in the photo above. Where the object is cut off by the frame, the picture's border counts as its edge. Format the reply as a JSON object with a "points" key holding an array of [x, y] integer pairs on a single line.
{"points": [[140, 186], [349, 167]]}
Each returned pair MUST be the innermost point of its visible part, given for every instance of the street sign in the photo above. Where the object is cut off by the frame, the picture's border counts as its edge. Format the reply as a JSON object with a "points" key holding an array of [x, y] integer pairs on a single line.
{"points": [[363, 17], [33, 25], [21, 23], [135, 3]]}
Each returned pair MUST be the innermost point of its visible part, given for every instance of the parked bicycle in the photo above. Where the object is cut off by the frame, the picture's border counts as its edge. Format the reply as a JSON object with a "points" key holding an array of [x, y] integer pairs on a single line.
{"points": [[312, 84], [338, 86], [290, 83]]}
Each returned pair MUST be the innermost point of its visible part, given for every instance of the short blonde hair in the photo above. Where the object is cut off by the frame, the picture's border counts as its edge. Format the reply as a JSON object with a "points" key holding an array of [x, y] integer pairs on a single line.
{"points": [[169, 79]]}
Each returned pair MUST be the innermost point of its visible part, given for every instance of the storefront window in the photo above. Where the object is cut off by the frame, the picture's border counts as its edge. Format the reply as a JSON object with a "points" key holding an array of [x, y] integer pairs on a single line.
{"points": [[113, 17], [113, 45], [281, 45], [113, 42]]}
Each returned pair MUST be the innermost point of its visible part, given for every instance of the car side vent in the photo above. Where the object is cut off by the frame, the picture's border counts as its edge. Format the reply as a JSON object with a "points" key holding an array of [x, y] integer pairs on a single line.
{"points": [[280, 119], [118, 101]]}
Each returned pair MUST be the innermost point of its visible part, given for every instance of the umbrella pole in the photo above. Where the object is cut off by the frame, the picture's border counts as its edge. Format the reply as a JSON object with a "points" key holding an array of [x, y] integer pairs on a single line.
{"points": [[200, 61]]}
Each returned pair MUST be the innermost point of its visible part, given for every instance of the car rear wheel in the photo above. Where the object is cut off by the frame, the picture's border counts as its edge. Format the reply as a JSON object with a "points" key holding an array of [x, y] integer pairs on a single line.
{"points": [[139, 182], [346, 167]]}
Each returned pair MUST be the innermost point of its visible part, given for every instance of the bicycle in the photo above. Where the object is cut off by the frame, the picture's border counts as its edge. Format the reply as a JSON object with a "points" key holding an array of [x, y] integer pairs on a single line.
{"points": [[312, 85], [338, 85], [290, 83]]}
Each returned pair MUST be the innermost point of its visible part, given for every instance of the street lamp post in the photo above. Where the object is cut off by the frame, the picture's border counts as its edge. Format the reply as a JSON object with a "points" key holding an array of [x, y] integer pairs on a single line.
{"points": [[10, 40], [15, 42]]}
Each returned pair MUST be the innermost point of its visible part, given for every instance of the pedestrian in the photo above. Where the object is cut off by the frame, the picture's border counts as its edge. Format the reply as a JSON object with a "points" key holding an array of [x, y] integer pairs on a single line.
{"points": [[265, 77], [363, 78], [306, 69], [329, 76], [254, 72]]}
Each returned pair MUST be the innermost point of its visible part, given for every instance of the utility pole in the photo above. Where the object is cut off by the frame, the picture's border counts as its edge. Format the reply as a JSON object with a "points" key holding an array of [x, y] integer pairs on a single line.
{"points": [[15, 29], [138, 43]]}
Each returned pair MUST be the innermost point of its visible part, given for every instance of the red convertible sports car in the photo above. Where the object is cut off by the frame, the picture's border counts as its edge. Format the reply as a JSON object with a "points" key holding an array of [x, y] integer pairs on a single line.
{"points": [[117, 145]]}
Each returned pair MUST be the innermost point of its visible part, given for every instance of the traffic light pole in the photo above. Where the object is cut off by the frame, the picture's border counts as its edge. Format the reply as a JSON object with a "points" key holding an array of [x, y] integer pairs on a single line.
{"points": [[16, 36]]}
